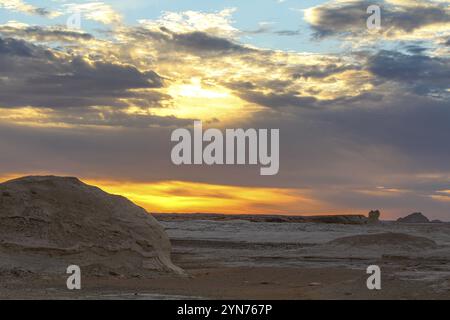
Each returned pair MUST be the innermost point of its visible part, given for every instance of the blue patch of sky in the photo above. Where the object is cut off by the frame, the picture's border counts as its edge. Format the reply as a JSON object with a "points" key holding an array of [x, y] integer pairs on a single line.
{"points": [[278, 16]]}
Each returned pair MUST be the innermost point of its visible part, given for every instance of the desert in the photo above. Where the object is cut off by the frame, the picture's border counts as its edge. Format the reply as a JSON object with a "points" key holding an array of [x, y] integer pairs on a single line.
{"points": [[258, 149], [48, 223]]}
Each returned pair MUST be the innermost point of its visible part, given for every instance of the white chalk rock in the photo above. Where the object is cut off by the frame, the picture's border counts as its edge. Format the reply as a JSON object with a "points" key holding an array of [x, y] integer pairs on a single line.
{"points": [[48, 222]]}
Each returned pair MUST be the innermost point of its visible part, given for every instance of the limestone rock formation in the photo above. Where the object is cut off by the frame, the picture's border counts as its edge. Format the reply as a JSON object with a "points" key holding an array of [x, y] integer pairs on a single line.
{"points": [[374, 217], [48, 223], [416, 217]]}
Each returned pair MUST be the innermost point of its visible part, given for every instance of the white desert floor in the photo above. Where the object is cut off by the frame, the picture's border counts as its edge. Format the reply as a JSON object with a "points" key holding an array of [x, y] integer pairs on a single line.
{"points": [[239, 259], [249, 244]]}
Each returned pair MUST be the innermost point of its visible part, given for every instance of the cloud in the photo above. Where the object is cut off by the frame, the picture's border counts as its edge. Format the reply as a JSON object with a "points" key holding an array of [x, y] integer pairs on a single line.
{"points": [[200, 41], [218, 24], [307, 81], [424, 74], [267, 28], [43, 34], [399, 19], [194, 42], [21, 6], [288, 32], [95, 11], [38, 77], [92, 92], [350, 122], [274, 100], [12, 47]]}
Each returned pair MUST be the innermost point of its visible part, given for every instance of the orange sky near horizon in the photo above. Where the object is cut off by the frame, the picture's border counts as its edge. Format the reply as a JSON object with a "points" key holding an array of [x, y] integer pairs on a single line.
{"points": [[194, 197]]}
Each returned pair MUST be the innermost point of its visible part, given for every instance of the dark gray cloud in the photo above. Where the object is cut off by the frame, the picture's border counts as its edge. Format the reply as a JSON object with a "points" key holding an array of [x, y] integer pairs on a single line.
{"points": [[288, 33], [42, 12], [267, 28], [112, 118], [72, 90], [414, 126], [44, 34], [391, 71], [415, 49], [321, 71], [351, 17], [197, 42], [417, 17], [201, 41], [38, 77], [331, 20], [278, 100], [294, 91], [14, 47], [422, 73]]}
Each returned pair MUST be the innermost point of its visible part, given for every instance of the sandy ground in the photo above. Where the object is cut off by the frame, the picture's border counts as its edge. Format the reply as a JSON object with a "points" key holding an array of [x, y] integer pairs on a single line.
{"points": [[247, 260], [234, 283]]}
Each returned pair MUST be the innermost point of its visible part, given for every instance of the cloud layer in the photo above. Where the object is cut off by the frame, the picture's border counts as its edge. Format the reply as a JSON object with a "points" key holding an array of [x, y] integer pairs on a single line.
{"points": [[362, 129]]}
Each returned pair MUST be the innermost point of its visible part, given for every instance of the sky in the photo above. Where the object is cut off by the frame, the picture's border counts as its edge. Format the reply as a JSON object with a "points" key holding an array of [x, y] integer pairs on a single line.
{"points": [[363, 114]]}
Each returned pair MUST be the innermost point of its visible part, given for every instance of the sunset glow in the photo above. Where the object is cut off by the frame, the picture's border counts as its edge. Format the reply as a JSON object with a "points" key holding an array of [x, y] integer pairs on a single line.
{"points": [[191, 197], [362, 113]]}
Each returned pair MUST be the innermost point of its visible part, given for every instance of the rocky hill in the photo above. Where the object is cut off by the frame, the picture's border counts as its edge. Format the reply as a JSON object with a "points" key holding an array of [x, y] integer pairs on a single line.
{"points": [[416, 217], [48, 223]]}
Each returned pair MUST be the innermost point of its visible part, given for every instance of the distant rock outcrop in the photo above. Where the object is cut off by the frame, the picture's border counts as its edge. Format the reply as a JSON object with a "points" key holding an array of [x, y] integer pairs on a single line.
{"points": [[48, 223], [374, 217], [416, 217]]}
